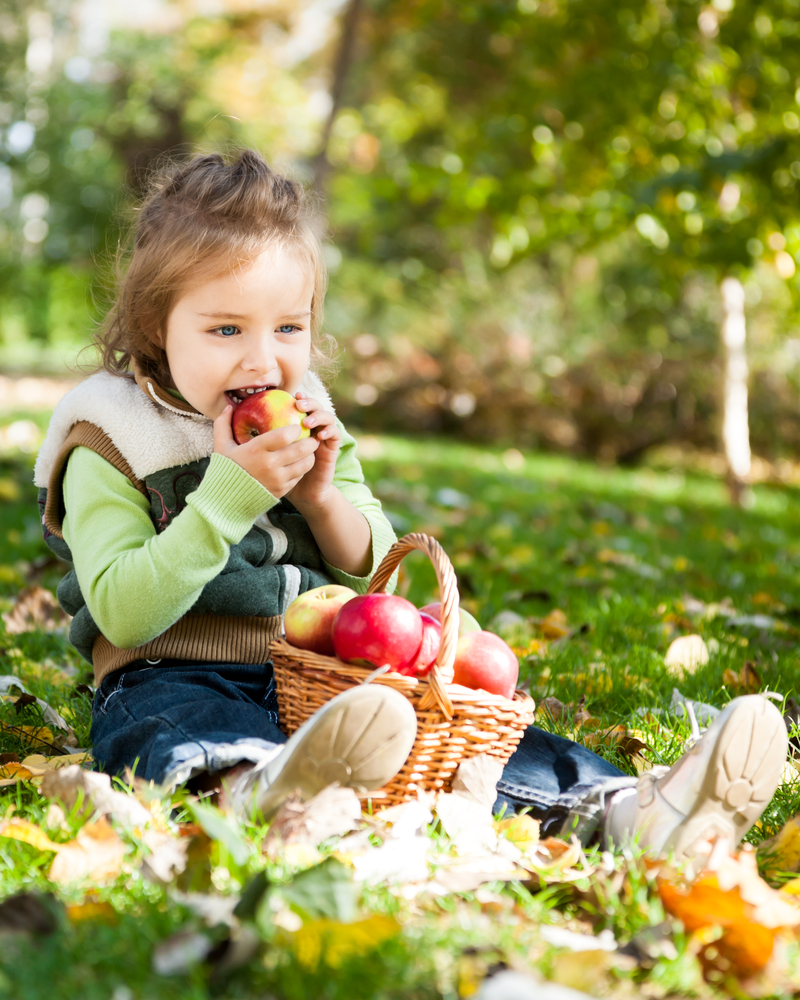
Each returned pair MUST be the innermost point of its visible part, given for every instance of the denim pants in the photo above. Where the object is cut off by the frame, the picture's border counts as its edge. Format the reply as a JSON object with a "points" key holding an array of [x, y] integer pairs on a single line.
{"points": [[175, 719]]}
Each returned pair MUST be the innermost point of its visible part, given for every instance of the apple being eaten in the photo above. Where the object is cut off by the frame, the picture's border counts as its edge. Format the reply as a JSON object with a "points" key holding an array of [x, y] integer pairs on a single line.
{"points": [[378, 629], [429, 647], [309, 618], [466, 623], [484, 661], [263, 411]]}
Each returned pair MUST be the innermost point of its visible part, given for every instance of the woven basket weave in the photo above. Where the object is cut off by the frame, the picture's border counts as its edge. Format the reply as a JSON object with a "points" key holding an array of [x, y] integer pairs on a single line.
{"points": [[453, 722]]}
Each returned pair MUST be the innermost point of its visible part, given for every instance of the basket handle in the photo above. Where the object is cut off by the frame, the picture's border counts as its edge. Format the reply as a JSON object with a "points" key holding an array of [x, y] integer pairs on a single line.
{"points": [[442, 670]]}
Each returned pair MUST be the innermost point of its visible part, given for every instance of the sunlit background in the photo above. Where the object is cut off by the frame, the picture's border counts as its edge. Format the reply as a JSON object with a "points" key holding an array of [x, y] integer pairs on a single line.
{"points": [[546, 216]]}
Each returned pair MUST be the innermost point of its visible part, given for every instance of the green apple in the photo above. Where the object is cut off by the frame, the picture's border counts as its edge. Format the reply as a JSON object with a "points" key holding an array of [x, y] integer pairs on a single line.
{"points": [[466, 623], [309, 617]]}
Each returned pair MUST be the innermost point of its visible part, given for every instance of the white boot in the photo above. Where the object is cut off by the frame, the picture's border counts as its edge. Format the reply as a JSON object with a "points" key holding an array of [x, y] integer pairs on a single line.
{"points": [[719, 787], [360, 739]]}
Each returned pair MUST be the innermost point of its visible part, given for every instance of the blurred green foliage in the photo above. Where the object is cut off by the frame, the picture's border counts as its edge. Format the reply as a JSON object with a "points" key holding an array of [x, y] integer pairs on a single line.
{"points": [[532, 203]]}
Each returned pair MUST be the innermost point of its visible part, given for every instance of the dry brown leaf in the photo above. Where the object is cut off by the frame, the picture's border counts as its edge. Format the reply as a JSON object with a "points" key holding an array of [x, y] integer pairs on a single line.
{"points": [[332, 812], [35, 608], [746, 681], [627, 741], [97, 853], [70, 783], [478, 777], [551, 707], [167, 857]]}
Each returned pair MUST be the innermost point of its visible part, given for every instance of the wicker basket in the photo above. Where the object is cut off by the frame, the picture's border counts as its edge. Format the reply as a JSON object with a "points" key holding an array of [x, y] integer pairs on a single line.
{"points": [[453, 722]]}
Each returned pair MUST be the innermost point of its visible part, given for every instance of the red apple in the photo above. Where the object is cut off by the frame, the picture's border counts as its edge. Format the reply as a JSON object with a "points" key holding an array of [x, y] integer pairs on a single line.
{"points": [[466, 623], [264, 411], [376, 629], [309, 618], [429, 647], [484, 661]]}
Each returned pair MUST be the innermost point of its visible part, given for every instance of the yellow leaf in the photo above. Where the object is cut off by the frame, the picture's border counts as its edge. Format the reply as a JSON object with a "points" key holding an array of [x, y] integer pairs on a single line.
{"points": [[91, 909], [38, 764], [522, 831], [28, 833], [328, 942], [555, 625], [782, 852], [34, 733]]}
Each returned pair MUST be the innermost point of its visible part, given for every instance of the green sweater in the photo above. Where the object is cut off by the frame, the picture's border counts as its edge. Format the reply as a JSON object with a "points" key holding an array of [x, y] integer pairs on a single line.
{"points": [[136, 581]]}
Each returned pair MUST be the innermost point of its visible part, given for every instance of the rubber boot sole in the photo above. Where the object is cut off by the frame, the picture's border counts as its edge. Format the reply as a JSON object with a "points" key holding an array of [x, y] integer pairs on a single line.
{"points": [[745, 769], [360, 739]]}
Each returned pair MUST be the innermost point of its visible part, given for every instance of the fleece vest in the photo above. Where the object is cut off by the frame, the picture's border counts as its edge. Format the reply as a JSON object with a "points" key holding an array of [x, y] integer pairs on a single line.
{"points": [[164, 448]]}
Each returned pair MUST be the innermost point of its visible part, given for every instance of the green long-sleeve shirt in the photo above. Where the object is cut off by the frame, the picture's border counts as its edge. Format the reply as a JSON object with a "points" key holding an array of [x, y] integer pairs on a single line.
{"points": [[137, 582]]}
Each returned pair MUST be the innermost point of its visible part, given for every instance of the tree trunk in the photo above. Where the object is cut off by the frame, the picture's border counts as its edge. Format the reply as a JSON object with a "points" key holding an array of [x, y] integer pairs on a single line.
{"points": [[344, 59], [735, 429]]}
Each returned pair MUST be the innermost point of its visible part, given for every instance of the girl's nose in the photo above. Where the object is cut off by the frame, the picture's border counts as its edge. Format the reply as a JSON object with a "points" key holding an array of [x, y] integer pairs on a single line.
{"points": [[259, 355]]}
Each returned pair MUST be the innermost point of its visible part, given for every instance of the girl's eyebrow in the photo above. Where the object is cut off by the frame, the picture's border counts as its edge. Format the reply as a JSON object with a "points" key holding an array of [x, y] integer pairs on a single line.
{"points": [[224, 315]]}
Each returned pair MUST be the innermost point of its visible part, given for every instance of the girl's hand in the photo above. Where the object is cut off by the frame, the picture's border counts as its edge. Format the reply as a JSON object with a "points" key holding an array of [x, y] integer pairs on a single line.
{"points": [[277, 459], [315, 487]]}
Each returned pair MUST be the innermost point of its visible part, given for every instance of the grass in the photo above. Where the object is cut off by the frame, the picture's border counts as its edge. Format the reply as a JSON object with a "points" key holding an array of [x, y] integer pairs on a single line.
{"points": [[620, 552]]}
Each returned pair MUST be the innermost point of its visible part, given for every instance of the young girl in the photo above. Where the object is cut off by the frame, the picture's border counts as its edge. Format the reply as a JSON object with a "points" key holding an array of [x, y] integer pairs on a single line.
{"points": [[187, 548]]}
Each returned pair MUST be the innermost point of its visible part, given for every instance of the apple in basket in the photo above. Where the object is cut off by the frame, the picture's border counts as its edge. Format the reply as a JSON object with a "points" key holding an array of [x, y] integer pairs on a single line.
{"points": [[466, 623], [378, 629], [263, 411], [485, 661], [310, 616], [429, 647]]}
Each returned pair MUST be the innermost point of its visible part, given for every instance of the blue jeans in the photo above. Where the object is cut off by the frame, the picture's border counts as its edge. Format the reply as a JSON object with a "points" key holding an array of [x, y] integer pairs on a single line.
{"points": [[177, 719]]}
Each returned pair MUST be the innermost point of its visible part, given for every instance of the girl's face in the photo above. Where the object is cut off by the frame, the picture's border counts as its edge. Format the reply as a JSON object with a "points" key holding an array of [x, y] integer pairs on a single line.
{"points": [[247, 329]]}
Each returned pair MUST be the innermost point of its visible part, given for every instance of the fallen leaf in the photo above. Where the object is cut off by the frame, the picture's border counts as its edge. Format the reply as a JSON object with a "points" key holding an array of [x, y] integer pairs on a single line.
{"points": [[28, 833], [333, 812], [555, 855], [91, 909], [736, 899], [781, 853], [478, 776], [685, 655], [746, 681], [10, 774], [552, 708], [35, 608], [69, 784], [522, 830], [554, 625], [331, 942], [97, 853], [167, 857], [181, 952]]}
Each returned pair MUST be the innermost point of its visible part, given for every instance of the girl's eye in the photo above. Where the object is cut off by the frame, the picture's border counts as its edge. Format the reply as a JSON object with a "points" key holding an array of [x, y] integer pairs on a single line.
{"points": [[288, 328], [227, 331]]}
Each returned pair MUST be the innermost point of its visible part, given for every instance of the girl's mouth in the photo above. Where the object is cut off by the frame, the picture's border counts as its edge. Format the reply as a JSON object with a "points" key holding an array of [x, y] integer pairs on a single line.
{"points": [[236, 396]]}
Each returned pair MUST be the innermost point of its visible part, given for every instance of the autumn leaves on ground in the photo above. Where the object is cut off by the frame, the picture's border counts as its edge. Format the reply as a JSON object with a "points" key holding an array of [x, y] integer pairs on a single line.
{"points": [[111, 890]]}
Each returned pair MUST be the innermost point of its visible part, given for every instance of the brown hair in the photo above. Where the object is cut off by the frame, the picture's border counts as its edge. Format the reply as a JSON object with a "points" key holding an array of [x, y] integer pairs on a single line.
{"points": [[196, 220]]}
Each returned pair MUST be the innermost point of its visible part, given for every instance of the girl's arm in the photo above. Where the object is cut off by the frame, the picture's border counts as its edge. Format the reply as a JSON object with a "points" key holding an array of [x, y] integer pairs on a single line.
{"points": [[137, 583]]}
